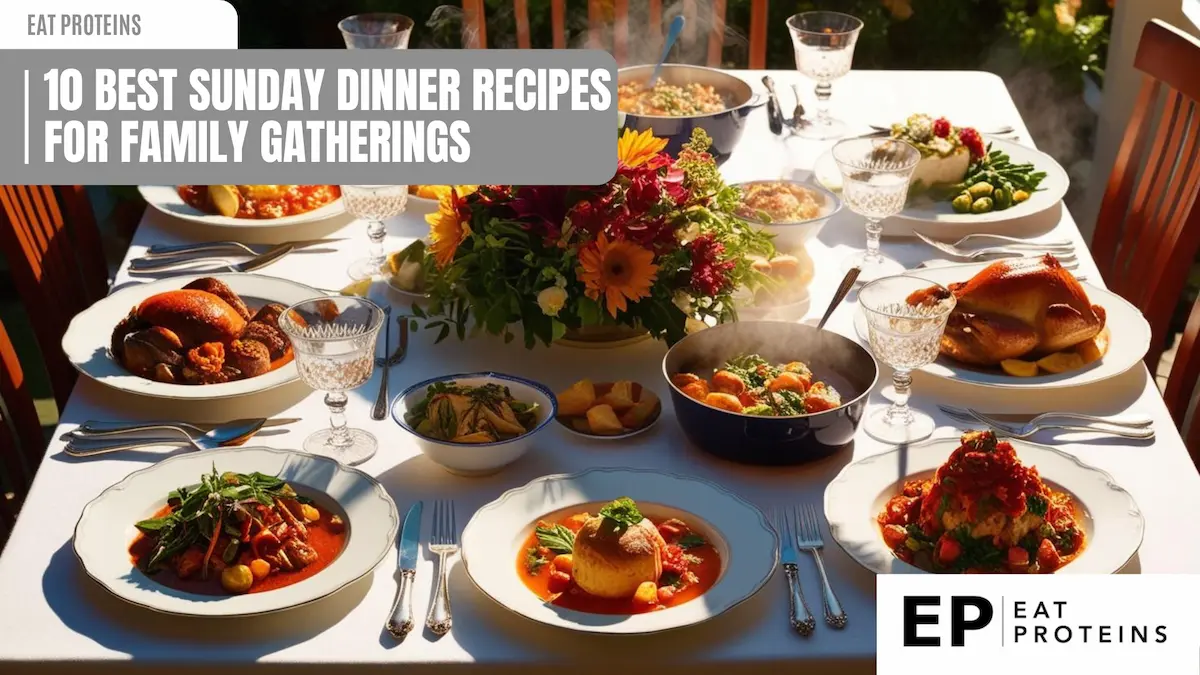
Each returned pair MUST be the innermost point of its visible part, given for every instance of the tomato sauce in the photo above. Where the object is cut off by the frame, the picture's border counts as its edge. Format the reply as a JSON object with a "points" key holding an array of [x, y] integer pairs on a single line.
{"points": [[327, 543], [298, 199], [707, 570]]}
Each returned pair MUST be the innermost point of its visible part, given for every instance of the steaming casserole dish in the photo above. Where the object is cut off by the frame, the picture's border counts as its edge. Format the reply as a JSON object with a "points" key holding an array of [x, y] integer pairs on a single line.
{"points": [[669, 100]]}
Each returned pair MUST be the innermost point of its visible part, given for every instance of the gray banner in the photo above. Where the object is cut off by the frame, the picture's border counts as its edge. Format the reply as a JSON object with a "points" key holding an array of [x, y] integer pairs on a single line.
{"points": [[521, 117]]}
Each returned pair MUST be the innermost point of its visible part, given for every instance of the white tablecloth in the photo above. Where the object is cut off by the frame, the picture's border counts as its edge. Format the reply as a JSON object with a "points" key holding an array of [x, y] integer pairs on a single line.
{"points": [[52, 617]]}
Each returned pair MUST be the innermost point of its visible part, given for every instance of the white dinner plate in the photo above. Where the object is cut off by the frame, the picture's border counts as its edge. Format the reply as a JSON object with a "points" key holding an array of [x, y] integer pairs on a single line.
{"points": [[106, 528], [1129, 341], [747, 544], [1112, 523], [166, 198], [1048, 195], [86, 341]]}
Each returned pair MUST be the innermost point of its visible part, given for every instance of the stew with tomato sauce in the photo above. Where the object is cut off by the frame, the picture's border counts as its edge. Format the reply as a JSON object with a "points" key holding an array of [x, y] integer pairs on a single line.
{"points": [[264, 202]]}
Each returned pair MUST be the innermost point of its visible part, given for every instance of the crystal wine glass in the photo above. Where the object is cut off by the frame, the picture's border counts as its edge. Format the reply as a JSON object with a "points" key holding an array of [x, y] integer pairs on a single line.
{"points": [[376, 31], [374, 204], [824, 44], [333, 339], [906, 317], [875, 177]]}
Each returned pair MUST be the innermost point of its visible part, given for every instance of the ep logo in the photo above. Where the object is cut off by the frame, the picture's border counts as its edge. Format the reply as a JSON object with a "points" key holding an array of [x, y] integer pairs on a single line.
{"points": [[967, 612]]}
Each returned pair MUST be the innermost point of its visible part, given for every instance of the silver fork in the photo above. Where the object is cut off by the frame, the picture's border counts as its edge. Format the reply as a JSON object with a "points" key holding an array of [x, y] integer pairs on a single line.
{"points": [[810, 540], [1131, 421], [444, 542], [1059, 251], [965, 241], [1027, 430], [803, 624]]}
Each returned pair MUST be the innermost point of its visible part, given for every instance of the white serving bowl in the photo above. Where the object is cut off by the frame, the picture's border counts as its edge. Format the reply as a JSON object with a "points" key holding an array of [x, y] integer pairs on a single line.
{"points": [[478, 459], [790, 235]]}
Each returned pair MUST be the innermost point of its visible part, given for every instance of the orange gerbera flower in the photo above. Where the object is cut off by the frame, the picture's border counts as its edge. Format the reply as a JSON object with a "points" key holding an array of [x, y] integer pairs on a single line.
{"points": [[619, 270], [635, 148], [446, 230]]}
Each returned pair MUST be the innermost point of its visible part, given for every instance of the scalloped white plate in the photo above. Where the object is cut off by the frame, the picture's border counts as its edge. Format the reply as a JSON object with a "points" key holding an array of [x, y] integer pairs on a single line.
{"points": [[165, 198], [748, 546], [106, 529], [1129, 341], [1112, 522], [86, 341]]}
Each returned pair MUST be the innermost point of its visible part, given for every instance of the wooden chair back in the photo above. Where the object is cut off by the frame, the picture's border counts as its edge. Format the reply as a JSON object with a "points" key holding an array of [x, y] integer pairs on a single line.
{"points": [[49, 236], [1148, 230], [475, 27], [1183, 383], [21, 440]]}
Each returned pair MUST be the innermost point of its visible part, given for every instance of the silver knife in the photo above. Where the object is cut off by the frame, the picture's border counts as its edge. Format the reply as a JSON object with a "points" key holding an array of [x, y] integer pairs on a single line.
{"points": [[400, 621], [234, 247], [100, 427]]}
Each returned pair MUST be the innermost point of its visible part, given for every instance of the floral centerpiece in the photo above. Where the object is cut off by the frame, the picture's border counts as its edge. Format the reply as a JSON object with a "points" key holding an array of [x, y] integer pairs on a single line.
{"points": [[655, 247]]}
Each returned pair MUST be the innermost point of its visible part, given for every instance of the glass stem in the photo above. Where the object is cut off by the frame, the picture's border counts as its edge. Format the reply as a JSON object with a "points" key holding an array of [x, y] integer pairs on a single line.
{"points": [[824, 91], [899, 413], [376, 231], [874, 231], [339, 435]]}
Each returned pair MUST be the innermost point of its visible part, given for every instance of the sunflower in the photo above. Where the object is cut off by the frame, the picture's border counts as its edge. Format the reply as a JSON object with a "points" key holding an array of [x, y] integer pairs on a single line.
{"points": [[618, 270], [636, 148], [446, 230]]}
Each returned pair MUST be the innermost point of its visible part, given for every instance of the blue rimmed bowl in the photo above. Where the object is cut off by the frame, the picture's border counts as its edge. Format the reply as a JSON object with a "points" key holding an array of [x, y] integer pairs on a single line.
{"points": [[478, 459]]}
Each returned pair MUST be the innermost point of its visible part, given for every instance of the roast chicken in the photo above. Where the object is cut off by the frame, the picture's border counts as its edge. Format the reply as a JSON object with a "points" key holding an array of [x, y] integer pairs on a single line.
{"points": [[1016, 309], [201, 334]]}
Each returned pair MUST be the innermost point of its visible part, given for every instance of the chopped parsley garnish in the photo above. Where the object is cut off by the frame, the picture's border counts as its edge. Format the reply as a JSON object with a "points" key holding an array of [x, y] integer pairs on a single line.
{"points": [[942, 506], [622, 511], [534, 561], [691, 540], [1036, 504], [556, 538], [670, 579]]}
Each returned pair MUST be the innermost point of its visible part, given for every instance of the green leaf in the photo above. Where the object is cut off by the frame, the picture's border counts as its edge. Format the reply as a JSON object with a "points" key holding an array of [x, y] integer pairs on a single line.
{"points": [[623, 511], [556, 538], [1037, 505], [559, 329], [443, 333], [691, 540]]}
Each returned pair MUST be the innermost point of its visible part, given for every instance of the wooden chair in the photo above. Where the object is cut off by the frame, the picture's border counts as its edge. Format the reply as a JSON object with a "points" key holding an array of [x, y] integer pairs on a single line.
{"points": [[49, 236], [1184, 382], [475, 28], [21, 440], [1148, 231]]}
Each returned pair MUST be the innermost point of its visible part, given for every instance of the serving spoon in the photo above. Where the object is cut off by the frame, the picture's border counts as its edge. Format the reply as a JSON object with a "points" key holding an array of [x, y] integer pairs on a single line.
{"points": [[840, 294], [672, 35]]}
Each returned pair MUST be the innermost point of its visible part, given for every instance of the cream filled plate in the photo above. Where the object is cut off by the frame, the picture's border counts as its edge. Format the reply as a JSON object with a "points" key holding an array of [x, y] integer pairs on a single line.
{"points": [[106, 529], [1129, 336], [1112, 523], [737, 532]]}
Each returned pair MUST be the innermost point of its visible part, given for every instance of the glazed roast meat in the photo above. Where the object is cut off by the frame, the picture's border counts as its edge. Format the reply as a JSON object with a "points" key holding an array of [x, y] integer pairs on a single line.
{"points": [[1013, 309], [201, 334]]}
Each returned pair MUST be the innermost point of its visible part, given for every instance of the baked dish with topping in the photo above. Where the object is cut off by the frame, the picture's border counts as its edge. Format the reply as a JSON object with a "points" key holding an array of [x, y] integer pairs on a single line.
{"points": [[669, 100], [750, 385], [1025, 315], [617, 561], [203, 333], [982, 512], [258, 202], [779, 202]]}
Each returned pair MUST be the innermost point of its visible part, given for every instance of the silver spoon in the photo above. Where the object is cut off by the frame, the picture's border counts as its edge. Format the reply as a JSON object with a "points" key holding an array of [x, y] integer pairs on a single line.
{"points": [[798, 120], [84, 445], [840, 294]]}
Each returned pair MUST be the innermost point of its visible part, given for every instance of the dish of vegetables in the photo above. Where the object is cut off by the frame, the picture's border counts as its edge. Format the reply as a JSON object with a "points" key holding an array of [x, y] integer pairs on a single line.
{"points": [[751, 385], [457, 413]]}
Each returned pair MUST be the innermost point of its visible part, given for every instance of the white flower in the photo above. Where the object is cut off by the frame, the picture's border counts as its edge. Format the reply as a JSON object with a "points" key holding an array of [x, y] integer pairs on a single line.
{"points": [[560, 281], [551, 300], [683, 301]]}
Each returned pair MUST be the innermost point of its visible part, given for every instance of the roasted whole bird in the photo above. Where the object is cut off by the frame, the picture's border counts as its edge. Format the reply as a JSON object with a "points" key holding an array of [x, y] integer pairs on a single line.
{"points": [[1015, 309], [201, 334]]}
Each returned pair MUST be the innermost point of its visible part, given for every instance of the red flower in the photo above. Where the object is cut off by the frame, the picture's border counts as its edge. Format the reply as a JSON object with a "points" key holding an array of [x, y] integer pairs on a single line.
{"points": [[941, 128], [974, 142], [674, 187], [544, 207], [643, 193], [710, 274]]}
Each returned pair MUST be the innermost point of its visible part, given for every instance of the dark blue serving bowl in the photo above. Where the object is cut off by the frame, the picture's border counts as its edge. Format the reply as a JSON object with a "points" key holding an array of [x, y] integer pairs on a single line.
{"points": [[750, 439], [725, 127]]}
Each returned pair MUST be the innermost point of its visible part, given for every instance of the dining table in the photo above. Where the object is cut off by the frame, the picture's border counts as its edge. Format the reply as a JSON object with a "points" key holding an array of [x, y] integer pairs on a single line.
{"points": [[53, 618]]}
